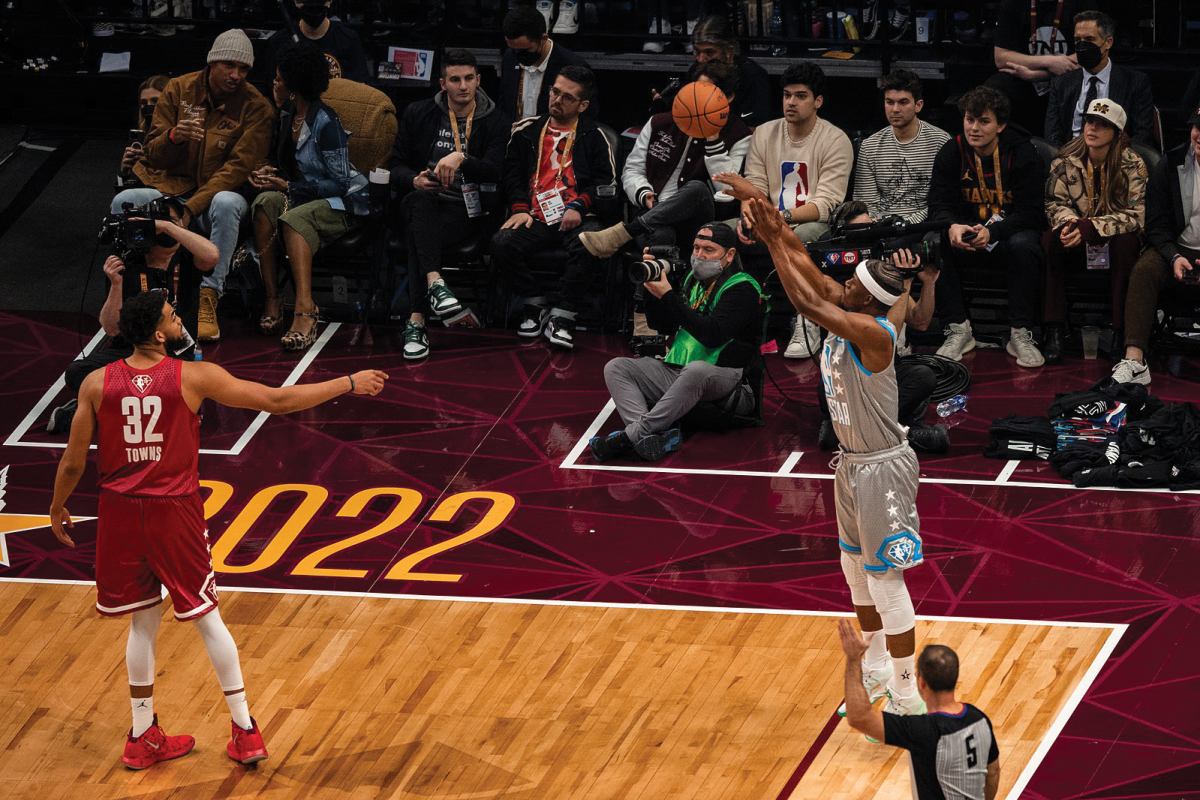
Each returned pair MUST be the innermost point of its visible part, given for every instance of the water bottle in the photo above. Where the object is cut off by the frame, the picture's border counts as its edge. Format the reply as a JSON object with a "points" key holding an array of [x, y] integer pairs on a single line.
{"points": [[198, 356], [776, 29], [948, 407]]}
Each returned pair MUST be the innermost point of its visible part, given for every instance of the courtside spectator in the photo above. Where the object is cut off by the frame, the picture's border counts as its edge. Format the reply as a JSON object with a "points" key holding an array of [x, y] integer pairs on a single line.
{"points": [[530, 64]]}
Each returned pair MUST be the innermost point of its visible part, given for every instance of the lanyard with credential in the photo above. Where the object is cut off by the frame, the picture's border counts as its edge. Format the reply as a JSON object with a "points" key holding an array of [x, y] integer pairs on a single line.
{"points": [[1033, 24], [458, 145], [996, 207], [562, 164]]}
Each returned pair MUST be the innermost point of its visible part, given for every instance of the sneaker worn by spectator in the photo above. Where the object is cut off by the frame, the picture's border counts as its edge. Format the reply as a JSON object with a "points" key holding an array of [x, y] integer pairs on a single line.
{"points": [[568, 17], [533, 322], [900, 22], [209, 330], [546, 9], [658, 27], [416, 341], [1130, 370], [606, 448], [1022, 348], [559, 327], [870, 19], [806, 339], [655, 446], [959, 340], [441, 300], [60, 418], [606, 242]]}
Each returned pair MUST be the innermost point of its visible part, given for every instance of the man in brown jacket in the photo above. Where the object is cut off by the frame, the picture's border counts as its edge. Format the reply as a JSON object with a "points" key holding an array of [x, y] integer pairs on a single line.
{"points": [[211, 128]]}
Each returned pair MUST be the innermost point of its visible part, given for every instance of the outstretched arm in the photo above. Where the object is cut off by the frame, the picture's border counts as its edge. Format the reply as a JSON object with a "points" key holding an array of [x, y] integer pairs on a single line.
{"points": [[859, 713], [203, 379]]}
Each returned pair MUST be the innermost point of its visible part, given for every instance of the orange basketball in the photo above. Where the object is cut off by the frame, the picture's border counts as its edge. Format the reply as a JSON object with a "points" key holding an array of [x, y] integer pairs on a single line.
{"points": [[700, 110]]}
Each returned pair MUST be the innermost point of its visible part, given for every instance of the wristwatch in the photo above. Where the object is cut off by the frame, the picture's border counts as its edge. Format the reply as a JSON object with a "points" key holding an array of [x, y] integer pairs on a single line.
{"points": [[787, 216]]}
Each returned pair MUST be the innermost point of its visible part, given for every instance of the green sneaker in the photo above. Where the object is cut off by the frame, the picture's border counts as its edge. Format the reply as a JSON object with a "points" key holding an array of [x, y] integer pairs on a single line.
{"points": [[416, 341], [441, 300]]}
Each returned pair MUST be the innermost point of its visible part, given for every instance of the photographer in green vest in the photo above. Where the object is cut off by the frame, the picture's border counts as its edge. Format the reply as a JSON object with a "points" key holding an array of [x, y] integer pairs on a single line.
{"points": [[715, 313]]}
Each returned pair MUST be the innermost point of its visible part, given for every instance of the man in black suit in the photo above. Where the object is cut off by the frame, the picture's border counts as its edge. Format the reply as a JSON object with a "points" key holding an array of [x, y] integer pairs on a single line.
{"points": [[1098, 77], [530, 64]]}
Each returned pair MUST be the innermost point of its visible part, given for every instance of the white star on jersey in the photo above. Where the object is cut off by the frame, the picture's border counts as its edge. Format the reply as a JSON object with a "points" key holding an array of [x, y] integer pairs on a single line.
{"points": [[891, 495]]}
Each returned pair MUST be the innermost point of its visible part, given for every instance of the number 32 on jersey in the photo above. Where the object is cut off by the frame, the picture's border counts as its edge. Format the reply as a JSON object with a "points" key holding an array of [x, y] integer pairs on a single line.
{"points": [[141, 417]]}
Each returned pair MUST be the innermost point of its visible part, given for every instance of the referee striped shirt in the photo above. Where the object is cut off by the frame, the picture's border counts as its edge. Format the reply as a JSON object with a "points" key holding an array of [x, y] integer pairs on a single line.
{"points": [[949, 753], [893, 178]]}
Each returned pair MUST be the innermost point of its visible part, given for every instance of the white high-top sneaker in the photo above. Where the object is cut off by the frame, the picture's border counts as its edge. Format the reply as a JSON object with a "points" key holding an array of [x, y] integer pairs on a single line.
{"points": [[806, 339], [568, 17]]}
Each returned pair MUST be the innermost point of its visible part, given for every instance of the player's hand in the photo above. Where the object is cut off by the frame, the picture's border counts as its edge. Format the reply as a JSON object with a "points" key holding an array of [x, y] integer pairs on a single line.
{"points": [[518, 220], [571, 219], [114, 270], [58, 518], [369, 381], [189, 130], [1070, 235], [446, 168], [905, 260], [739, 187], [766, 221], [853, 644]]}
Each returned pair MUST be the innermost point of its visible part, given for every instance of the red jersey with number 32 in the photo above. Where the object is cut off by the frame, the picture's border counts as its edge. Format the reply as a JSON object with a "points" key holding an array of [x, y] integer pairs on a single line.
{"points": [[149, 440]]}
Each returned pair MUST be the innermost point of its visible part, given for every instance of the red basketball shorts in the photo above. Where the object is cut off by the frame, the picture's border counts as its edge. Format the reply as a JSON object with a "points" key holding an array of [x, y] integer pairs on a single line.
{"points": [[145, 543]]}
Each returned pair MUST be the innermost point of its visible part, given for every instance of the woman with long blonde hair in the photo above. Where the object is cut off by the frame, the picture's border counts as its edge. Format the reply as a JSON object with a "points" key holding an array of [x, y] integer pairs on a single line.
{"points": [[1095, 200]]}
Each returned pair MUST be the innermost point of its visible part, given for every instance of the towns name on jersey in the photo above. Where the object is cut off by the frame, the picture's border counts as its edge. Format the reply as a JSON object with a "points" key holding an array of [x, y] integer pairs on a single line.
{"points": [[135, 455]]}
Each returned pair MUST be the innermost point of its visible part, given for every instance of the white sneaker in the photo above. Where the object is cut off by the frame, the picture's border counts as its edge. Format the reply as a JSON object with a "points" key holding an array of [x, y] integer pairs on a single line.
{"points": [[546, 8], [959, 340], [691, 26], [1129, 370], [658, 27], [568, 17], [1022, 348], [901, 707], [875, 682], [806, 339]]}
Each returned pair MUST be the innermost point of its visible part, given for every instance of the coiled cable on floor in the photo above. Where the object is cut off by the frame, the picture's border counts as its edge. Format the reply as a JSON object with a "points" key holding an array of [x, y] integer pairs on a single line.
{"points": [[952, 377]]}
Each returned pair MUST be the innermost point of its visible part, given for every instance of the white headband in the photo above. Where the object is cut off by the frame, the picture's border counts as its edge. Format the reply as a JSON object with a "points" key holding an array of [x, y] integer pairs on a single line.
{"points": [[868, 280]]}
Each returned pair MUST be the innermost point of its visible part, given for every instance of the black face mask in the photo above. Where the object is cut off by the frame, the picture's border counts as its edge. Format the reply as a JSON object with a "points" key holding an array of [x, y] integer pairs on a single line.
{"points": [[166, 240], [1089, 55], [147, 111], [526, 58], [313, 16]]}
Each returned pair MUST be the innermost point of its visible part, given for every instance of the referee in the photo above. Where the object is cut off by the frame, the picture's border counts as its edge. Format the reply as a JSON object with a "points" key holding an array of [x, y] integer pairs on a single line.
{"points": [[948, 745]]}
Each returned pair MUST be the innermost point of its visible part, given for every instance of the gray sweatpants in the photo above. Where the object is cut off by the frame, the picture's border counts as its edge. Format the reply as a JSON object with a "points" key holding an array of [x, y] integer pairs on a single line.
{"points": [[651, 395]]}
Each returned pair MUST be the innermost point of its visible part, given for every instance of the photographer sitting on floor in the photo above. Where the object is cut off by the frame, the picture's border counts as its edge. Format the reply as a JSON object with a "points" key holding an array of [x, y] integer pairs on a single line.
{"points": [[716, 319], [160, 267]]}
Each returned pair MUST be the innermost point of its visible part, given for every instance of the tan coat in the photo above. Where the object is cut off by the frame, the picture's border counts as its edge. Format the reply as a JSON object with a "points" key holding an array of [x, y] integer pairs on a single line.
{"points": [[1066, 196], [237, 137]]}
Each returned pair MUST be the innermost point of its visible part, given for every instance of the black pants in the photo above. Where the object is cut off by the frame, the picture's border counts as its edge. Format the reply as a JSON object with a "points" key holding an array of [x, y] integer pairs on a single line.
{"points": [[510, 250], [676, 220], [1028, 107], [430, 220], [914, 383], [112, 349], [1018, 258]]}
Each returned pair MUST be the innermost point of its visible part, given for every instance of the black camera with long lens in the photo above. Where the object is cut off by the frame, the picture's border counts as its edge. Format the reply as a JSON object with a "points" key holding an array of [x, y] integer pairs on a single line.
{"points": [[839, 255], [662, 259], [132, 230]]}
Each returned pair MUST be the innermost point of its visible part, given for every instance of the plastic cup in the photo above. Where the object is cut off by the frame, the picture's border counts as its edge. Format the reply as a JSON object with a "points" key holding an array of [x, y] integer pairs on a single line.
{"points": [[1091, 341]]}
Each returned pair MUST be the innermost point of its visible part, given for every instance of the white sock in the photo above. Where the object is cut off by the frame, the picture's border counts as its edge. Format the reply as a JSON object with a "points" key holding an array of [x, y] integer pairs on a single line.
{"points": [[223, 654], [143, 714], [905, 675], [876, 657], [239, 709]]}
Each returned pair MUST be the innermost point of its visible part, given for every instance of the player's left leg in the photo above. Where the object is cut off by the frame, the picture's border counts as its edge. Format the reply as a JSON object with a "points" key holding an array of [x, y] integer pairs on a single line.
{"points": [[246, 745], [147, 743], [876, 668], [898, 616]]}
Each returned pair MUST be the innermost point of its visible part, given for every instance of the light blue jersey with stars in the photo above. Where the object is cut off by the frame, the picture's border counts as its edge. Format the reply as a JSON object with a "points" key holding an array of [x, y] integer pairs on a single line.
{"points": [[863, 406]]}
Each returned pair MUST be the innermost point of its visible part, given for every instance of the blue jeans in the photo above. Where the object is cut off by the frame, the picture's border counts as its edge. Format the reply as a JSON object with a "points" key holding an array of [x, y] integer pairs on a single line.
{"points": [[221, 223]]}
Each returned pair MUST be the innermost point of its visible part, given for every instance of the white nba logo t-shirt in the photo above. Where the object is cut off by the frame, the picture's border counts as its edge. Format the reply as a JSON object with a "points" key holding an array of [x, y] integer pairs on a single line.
{"points": [[794, 186]]}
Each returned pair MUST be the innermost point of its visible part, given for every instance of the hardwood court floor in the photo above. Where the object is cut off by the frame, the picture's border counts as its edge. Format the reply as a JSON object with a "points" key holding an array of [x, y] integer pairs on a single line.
{"points": [[385, 697]]}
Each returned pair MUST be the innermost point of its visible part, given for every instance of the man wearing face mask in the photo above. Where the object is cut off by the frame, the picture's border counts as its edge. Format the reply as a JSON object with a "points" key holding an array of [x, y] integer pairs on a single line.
{"points": [[337, 40], [1097, 79], [716, 319], [175, 266], [529, 65]]}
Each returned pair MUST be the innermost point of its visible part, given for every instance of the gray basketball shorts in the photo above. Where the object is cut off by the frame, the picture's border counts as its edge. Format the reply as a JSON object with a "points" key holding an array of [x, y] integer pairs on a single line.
{"points": [[876, 500]]}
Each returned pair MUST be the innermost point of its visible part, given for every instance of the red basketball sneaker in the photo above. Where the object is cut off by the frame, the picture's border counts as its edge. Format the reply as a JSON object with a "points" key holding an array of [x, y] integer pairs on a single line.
{"points": [[153, 746], [247, 745]]}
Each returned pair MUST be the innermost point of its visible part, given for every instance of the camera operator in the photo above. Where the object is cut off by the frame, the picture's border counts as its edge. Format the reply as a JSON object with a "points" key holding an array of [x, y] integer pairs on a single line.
{"points": [[716, 319], [165, 267], [915, 382]]}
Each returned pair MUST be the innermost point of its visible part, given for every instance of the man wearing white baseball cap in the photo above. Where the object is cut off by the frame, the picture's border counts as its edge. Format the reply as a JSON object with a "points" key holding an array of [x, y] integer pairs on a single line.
{"points": [[1095, 201], [210, 129]]}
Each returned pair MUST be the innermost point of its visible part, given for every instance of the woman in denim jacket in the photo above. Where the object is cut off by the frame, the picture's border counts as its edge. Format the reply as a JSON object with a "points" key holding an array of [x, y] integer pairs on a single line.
{"points": [[312, 196]]}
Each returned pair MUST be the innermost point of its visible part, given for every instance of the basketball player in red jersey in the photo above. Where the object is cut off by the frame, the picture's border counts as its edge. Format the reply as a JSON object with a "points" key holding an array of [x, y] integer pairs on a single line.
{"points": [[151, 519]]}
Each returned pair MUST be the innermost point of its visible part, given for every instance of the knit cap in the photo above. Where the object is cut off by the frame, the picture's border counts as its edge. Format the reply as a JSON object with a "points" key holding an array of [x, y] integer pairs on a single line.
{"points": [[232, 45]]}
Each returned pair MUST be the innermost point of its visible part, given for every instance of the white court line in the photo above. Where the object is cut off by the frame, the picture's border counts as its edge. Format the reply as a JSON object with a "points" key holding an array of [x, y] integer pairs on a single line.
{"points": [[1007, 472], [790, 462], [13, 439], [570, 463], [1117, 630], [44, 402]]}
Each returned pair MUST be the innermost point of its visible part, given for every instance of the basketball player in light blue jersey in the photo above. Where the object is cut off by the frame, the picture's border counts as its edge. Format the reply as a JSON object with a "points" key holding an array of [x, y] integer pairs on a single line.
{"points": [[875, 483]]}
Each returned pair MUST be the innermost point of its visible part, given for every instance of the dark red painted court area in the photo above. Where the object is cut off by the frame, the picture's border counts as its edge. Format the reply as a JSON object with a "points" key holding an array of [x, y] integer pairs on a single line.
{"points": [[452, 482]]}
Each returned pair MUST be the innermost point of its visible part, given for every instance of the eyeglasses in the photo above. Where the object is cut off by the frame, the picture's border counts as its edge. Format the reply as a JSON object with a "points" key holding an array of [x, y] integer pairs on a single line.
{"points": [[566, 98]]}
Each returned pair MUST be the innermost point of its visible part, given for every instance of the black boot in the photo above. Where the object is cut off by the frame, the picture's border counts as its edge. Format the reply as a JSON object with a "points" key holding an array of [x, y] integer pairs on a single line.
{"points": [[1055, 333], [926, 438]]}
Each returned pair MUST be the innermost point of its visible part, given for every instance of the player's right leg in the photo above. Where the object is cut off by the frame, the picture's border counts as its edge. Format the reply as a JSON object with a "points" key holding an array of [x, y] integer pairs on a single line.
{"points": [[876, 667], [246, 743]]}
